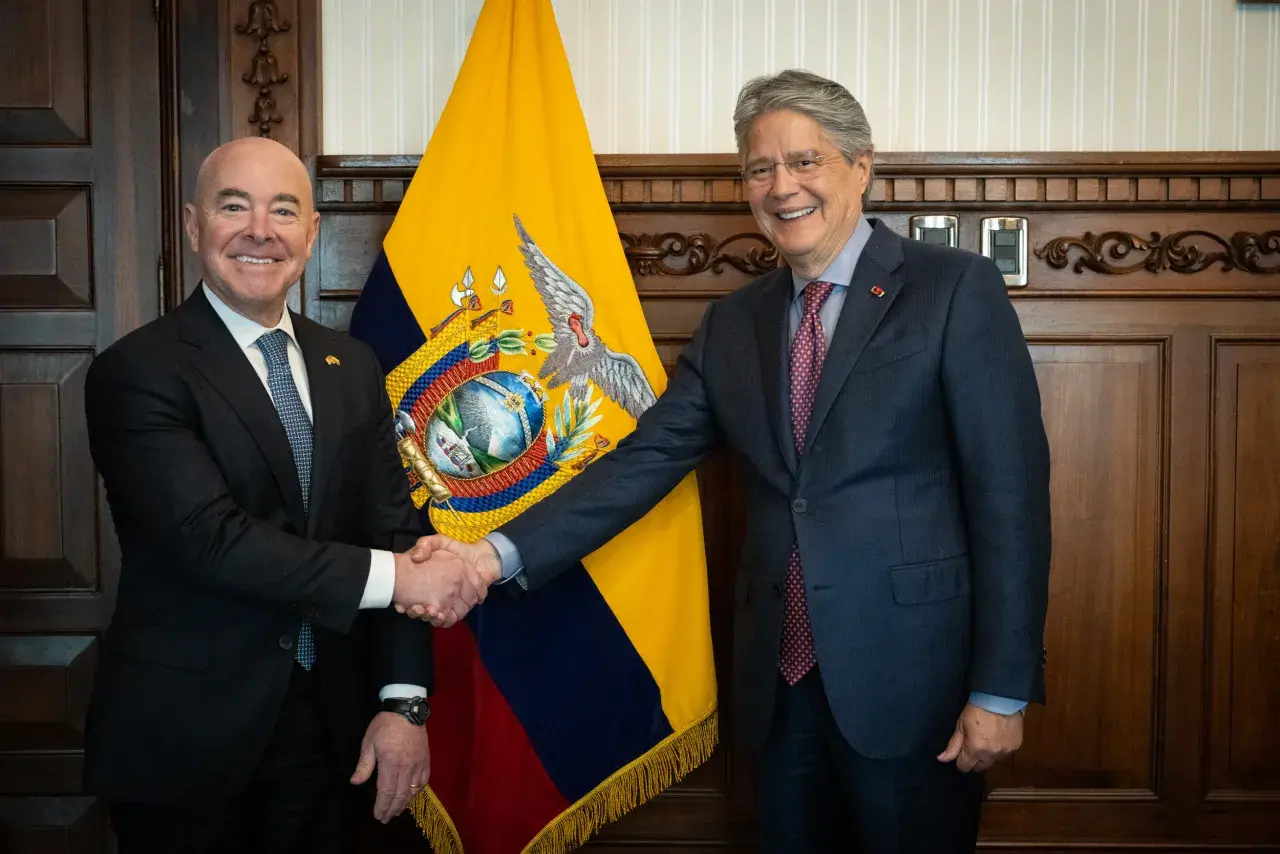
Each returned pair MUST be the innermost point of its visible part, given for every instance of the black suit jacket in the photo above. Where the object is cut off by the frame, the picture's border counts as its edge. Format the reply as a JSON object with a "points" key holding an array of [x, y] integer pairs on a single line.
{"points": [[920, 504], [220, 563]]}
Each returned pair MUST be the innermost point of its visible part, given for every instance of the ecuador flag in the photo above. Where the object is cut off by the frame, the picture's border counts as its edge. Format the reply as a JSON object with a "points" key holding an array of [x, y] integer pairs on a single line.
{"points": [[556, 711]]}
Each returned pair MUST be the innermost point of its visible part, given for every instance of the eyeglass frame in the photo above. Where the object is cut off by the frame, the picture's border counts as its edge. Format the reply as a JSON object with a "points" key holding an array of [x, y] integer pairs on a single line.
{"points": [[819, 159]]}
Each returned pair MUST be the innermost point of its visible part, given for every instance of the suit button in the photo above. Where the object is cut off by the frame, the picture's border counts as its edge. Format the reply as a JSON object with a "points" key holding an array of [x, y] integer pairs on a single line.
{"points": [[778, 589], [286, 642], [799, 505]]}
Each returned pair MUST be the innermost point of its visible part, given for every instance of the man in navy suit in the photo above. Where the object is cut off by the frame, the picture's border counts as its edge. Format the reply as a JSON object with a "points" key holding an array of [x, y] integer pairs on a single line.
{"points": [[882, 404]]}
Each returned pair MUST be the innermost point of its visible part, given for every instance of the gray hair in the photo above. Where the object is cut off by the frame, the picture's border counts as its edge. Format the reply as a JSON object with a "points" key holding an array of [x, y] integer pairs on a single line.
{"points": [[824, 101]]}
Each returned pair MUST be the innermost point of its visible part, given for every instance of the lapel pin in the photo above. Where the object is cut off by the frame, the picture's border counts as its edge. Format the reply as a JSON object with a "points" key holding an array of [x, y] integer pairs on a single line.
{"points": [[331, 360], [877, 291]]}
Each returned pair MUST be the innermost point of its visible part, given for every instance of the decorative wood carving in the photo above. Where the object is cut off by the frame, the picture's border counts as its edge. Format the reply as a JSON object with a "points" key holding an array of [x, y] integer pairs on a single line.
{"points": [[647, 254], [264, 72], [1174, 252]]}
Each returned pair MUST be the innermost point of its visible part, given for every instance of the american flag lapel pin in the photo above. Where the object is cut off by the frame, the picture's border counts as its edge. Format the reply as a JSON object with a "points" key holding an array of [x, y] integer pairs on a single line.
{"points": [[331, 360], [877, 291]]}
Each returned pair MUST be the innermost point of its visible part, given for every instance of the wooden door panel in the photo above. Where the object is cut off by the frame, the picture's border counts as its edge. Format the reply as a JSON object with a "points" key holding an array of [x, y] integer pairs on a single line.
{"points": [[48, 519], [79, 222], [46, 248], [43, 86], [1245, 572], [1102, 404]]}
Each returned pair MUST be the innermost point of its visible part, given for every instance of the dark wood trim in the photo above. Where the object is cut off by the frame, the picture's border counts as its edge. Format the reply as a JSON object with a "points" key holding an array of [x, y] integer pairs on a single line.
{"points": [[310, 80], [896, 164]]}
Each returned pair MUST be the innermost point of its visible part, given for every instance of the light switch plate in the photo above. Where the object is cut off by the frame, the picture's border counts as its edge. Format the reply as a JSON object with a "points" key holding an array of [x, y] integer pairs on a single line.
{"points": [[942, 229], [1004, 240]]}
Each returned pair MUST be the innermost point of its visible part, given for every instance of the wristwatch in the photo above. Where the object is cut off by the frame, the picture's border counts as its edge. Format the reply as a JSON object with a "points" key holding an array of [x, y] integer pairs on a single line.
{"points": [[415, 709]]}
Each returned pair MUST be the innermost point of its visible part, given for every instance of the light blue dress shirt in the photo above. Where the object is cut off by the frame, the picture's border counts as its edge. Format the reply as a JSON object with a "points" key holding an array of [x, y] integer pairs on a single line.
{"points": [[839, 273]]}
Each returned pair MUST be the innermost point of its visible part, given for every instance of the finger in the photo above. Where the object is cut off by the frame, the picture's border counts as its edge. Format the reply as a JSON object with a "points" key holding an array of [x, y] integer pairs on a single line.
{"points": [[415, 612], [386, 793], [402, 795], [364, 767], [400, 609], [953, 748], [970, 758]]}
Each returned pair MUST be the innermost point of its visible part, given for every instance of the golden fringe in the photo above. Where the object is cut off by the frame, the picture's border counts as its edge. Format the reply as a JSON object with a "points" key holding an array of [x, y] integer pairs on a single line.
{"points": [[668, 762], [435, 823]]}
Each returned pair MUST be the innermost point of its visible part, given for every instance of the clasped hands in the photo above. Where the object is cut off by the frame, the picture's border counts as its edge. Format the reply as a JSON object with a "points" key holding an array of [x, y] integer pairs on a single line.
{"points": [[441, 579]]}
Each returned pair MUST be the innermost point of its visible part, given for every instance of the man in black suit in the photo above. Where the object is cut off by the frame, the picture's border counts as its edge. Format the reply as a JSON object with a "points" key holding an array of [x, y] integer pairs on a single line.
{"points": [[262, 513], [881, 401]]}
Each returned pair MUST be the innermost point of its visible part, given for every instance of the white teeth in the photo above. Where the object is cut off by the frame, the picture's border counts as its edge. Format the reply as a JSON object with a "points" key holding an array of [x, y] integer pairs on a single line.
{"points": [[247, 259], [797, 214]]}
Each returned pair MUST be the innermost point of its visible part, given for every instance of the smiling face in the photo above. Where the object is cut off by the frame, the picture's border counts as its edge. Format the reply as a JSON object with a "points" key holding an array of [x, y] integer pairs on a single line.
{"points": [[253, 225], [811, 213]]}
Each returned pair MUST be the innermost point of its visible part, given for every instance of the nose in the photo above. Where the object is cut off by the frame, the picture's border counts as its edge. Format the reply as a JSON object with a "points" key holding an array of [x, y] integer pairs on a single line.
{"points": [[259, 228], [784, 183]]}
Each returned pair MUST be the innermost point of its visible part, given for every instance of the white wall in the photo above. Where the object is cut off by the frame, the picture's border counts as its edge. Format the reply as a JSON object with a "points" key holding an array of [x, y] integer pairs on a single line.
{"points": [[661, 76]]}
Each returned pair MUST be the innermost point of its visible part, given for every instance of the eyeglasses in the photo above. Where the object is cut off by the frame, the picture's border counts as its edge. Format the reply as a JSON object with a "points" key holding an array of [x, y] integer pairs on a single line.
{"points": [[801, 166]]}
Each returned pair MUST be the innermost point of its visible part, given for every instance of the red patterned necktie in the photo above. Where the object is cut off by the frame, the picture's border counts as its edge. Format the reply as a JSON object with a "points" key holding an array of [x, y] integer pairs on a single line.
{"points": [[808, 349]]}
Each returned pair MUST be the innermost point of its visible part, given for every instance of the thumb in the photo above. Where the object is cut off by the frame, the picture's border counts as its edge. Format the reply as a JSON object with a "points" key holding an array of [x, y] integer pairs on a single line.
{"points": [[364, 768], [953, 747]]}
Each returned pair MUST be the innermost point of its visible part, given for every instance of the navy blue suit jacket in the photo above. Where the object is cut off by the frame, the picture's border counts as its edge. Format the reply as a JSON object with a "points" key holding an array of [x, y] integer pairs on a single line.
{"points": [[920, 503]]}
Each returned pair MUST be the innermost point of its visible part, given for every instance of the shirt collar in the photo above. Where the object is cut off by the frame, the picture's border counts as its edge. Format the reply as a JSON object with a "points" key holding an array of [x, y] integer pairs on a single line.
{"points": [[840, 271], [246, 332]]}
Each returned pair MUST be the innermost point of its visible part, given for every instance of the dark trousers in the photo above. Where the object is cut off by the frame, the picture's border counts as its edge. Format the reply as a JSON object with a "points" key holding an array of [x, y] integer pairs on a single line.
{"points": [[298, 800], [816, 794]]}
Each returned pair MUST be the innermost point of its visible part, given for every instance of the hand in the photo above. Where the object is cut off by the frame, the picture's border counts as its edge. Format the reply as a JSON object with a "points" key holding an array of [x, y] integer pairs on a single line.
{"points": [[437, 579], [481, 558], [982, 739], [400, 751]]}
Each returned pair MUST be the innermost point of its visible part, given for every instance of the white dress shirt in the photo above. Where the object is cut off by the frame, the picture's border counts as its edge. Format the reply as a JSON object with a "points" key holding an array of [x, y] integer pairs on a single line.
{"points": [[382, 564]]}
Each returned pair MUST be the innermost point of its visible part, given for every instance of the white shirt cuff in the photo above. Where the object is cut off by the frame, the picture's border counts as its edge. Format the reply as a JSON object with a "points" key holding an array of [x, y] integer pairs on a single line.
{"points": [[402, 691], [382, 581]]}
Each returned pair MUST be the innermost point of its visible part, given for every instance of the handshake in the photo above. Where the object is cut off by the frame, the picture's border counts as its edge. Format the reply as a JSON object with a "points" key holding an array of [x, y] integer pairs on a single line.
{"points": [[441, 579]]}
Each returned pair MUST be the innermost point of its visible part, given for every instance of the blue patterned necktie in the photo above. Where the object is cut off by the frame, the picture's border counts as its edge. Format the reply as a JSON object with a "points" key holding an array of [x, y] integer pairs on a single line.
{"points": [[297, 426]]}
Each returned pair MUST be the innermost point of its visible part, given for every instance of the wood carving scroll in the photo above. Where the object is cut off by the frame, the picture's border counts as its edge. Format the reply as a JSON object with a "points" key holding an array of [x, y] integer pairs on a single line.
{"points": [[647, 254], [1099, 253], [265, 71]]}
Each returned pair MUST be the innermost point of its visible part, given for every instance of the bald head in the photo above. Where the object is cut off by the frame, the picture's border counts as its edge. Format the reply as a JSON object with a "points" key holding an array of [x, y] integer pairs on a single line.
{"points": [[253, 223], [230, 157]]}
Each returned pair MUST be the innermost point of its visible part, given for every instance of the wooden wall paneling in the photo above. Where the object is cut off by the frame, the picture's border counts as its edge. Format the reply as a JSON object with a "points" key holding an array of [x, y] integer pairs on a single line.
{"points": [[79, 263], [1244, 572], [1158, 384]]}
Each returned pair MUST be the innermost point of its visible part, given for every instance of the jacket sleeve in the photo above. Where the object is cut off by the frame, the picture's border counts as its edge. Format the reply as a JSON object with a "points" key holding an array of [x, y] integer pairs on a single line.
{"points": [[994, 406], [669, 440], [164, 485], [402, 650]]}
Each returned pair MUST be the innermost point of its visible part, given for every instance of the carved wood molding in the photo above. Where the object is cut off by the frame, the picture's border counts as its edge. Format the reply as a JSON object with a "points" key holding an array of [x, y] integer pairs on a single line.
{"points": [[905, 181], [264, 72], [1177, 252], [648, 254]]}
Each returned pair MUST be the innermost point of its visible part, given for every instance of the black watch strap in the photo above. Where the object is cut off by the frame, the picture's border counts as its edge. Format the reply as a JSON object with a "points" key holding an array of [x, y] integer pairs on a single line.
{"points": [[415, 709]]}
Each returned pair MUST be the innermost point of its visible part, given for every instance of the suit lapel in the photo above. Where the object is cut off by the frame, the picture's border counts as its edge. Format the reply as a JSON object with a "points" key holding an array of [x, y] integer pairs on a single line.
{"points": [[859, 318], [771, 315], [227, 369], [325, 381]]}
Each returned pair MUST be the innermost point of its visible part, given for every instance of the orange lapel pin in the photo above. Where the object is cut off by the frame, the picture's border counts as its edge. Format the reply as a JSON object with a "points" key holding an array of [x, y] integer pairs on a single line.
{"points": [[331, 360]]}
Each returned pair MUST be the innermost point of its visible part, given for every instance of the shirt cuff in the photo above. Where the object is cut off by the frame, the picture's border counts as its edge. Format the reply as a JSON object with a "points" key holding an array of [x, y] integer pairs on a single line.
{"points": [[401, 691], [381, 584], [998, 705], [509, 555]]}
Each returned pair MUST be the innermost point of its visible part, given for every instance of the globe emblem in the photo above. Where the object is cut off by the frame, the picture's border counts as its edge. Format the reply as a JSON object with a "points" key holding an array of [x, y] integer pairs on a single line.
{"points": [[483, 425]]}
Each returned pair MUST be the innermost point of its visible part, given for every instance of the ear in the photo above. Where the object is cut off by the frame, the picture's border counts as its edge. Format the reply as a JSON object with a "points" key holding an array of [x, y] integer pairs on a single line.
{"points": [[313, 231], [862, 171], [191, 225]]}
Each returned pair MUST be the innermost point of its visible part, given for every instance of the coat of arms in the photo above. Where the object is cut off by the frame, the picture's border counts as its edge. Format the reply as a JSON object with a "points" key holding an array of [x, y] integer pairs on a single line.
{"points": [[480, 442]]}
